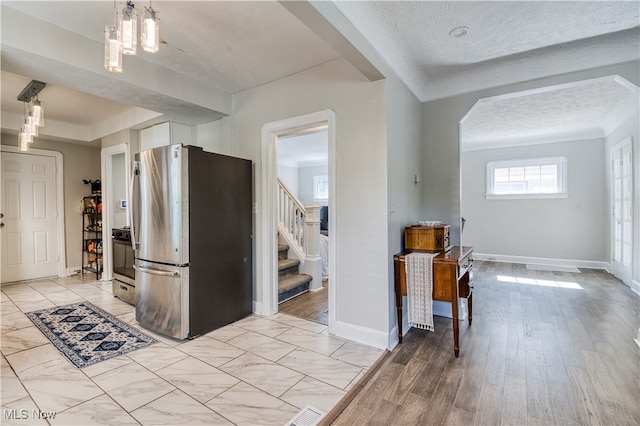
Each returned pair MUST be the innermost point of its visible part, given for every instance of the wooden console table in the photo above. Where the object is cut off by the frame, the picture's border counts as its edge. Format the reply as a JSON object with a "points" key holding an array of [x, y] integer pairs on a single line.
{"points": [[452, 278]]}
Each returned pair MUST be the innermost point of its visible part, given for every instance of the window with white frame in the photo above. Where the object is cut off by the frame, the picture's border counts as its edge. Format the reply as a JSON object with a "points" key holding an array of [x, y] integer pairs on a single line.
{"points": [[320, 188], [529, 178]]}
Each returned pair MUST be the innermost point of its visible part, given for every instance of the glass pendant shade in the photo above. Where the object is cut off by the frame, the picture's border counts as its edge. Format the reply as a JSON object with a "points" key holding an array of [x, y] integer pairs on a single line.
{"points": [[23, 142], [28, 128], [25, 136], [38, 113], [128, 28], [150, 30], [32, 125], [112, 50]]}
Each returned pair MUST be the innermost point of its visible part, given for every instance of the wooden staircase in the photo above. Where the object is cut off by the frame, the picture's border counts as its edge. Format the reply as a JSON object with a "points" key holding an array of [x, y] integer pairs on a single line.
{"points": [[291, 282]]}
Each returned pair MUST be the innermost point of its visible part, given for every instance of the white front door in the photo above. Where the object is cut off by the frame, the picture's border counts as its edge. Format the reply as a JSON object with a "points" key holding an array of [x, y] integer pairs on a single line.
{"points": [[622, 202], [29, 216]]}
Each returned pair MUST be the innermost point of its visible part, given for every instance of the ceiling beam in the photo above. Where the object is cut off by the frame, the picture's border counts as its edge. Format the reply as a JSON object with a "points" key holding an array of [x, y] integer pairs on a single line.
{"points": [[332, 27]]}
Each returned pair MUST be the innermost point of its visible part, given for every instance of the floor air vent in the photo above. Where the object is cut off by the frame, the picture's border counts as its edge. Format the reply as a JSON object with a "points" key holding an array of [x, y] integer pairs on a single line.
{"points": [[553, 268], [309, 416]]}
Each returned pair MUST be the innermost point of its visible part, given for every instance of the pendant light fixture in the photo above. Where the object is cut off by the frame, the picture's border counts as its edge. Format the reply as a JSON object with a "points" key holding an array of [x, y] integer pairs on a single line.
{"points": [[122, 37], [33, 114], [150, 30], [112, 49], [25, 137], [112, 45], [38, 112], [23, 142], [128, 28], [31, 122]]}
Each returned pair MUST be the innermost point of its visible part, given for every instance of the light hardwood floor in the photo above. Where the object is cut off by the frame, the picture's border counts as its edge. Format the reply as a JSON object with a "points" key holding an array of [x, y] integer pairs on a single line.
{"points": [[554, 348], [312, 306]]}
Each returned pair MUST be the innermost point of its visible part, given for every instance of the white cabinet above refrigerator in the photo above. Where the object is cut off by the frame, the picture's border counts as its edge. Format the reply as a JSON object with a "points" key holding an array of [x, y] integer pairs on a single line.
{"points": [[166, 134]]}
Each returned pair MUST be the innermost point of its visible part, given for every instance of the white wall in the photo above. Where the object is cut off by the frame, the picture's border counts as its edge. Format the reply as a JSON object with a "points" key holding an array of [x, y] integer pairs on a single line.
{"points": [[571, 228], [361, 167], [129, 137], [289, 175], [629, 128], [441, 150], [404, 196], [215, 136], [299, 180], [305, 183]]}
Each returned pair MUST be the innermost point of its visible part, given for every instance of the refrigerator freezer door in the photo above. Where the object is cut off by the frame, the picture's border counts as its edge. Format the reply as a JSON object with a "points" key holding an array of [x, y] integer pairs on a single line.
{"points": [[161, 211], [162, 299]]}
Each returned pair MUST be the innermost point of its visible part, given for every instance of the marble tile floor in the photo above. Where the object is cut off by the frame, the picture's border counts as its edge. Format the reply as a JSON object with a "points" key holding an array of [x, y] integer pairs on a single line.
{"points": [[256, 371]]}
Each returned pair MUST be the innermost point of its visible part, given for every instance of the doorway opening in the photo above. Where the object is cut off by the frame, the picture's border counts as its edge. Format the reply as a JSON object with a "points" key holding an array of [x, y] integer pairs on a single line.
{"points": [[303, 185], [267, 228], [115, 190]]}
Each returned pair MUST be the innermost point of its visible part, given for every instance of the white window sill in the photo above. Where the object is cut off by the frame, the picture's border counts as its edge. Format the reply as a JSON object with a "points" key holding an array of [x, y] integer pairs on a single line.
{"points": [[558, 195]]}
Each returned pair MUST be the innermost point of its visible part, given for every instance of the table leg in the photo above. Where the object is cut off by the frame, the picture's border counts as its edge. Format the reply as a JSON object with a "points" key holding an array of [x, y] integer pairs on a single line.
{"points": [[456, 347], [470, 306], [456, 326], [399, 309]]}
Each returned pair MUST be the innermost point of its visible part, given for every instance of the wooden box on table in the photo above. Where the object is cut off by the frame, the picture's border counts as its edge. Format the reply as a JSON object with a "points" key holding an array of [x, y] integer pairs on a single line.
{"points": [[432, 239]]}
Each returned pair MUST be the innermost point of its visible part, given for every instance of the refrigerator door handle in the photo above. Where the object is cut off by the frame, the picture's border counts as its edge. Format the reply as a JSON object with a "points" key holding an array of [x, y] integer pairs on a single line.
{"points": [[135, 172], [156, 271]]}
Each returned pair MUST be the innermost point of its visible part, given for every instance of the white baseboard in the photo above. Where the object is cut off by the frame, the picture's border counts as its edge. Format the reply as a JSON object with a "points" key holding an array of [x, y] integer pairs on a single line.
{"points": [[365, 335], [393, 337], [635, 287], [589, 264], [74, 270], [257, 308]]}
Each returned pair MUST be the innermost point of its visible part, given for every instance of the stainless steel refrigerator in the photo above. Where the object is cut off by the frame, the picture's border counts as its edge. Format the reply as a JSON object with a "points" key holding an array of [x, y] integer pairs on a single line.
{"points": [[191, 230]]}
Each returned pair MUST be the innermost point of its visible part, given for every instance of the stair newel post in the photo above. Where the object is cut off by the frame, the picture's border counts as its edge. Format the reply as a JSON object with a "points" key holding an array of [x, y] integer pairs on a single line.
{"points": [[311, 241]]}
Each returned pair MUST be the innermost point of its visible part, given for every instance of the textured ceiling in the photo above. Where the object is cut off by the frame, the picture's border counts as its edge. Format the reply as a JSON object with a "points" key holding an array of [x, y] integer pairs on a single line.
{"points": [[504, 43], [231, 45], [590, 108], [210, 50], [61, 104]]}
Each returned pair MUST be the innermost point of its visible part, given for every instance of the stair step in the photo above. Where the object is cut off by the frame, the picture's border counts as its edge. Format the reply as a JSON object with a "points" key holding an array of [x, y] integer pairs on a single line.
{"points": [[287, 267], [287, 263], [291, 282], [283, 251], [292, 286]]}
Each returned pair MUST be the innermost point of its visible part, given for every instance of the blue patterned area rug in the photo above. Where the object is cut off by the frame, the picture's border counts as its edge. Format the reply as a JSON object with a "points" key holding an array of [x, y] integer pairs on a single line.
{"points": [[86, 334]]}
